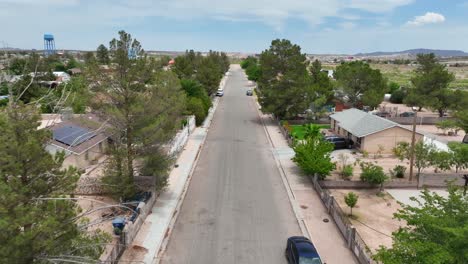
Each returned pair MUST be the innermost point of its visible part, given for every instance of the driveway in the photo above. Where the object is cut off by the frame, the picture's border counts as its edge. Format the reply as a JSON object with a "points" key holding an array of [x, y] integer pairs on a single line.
{"points": [[404, 195]]}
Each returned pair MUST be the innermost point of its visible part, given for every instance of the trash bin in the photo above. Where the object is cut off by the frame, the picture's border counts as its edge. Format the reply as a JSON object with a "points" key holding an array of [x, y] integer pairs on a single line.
{"points": [[118, 223]]}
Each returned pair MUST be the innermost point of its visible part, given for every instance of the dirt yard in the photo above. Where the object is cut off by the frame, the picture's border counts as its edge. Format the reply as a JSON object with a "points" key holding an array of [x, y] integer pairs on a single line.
{"points": [[372, 216], [100, 219], [386, 161]]}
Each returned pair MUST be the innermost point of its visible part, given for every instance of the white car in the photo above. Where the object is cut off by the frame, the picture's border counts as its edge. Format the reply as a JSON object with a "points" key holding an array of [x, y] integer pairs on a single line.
{"points": [[220, 92]]}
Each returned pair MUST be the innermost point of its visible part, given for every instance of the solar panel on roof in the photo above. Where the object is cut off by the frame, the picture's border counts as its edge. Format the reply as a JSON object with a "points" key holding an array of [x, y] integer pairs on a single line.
{"points": [[72, 135]]}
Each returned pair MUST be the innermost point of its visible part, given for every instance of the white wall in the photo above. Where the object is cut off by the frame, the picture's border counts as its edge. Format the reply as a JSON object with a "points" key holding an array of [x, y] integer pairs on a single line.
{"points": [[181, 138], [439, 145]]}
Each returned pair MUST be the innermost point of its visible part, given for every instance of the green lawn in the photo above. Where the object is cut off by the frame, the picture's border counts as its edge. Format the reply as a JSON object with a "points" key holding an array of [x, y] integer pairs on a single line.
{"points": [[298, 130]]}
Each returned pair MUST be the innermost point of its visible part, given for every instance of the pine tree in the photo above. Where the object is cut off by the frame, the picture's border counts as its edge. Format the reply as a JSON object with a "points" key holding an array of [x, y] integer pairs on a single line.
{"points": [[32, 229], [283, 80], [143, 109], [102, 54]]}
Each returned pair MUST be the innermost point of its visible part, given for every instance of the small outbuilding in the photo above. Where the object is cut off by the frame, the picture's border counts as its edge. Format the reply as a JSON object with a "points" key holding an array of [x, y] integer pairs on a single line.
{"points": [[369, 132]]}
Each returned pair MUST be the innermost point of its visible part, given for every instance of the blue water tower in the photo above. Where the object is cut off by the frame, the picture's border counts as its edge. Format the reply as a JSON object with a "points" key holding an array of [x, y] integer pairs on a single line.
{"points": [[49, 44]]}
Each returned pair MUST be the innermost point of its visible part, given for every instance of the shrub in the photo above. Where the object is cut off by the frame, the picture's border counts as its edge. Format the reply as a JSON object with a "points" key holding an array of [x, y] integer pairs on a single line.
{"points": [[195, 107], [459, 155], [253, 72], [373, 174], [392, 87], [397, 96], [441, 160], [313, 156], [347, 172], [195, 89], [287, 127], [365, 154], [398, 171]]}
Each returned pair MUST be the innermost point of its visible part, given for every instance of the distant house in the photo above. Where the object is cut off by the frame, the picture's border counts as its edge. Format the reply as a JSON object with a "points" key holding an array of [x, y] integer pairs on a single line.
{"points": [[75, 71], [368, 132], [62, 76], [81, 140]]}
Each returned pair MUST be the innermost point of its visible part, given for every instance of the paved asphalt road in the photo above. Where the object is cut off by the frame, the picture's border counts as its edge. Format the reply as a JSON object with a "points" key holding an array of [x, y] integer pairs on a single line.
{"points": [[236, 209]]}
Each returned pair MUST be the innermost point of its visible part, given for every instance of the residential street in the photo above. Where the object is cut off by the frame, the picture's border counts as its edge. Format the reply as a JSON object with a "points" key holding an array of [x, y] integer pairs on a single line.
{"points": [[236, 209]]}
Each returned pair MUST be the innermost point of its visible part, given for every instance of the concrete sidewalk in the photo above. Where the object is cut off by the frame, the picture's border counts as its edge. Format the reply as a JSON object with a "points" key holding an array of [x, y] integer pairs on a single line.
{"points": [[156, 228], [326, 236]]}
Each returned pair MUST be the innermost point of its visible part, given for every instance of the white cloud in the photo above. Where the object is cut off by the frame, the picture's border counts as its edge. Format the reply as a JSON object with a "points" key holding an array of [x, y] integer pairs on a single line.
{"points": [[273, 13], [428, 18], [378, 6]]}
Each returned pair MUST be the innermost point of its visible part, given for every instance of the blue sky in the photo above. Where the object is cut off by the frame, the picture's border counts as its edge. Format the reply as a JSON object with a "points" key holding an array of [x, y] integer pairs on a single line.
{"points": [[319, 26]]}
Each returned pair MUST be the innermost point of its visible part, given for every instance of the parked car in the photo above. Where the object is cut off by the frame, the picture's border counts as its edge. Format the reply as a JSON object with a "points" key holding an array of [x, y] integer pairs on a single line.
{"points": [[249, 93], [220, 92], [339, 142], [407, 114], [383, 114], [300, 250]]}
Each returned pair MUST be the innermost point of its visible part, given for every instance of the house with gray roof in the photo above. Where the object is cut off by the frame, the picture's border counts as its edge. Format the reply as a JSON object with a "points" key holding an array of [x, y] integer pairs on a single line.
{"points": [[369, 132]]}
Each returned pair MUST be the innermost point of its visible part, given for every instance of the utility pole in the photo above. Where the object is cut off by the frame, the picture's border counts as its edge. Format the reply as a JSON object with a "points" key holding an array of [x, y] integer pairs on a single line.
{"points": [[413, 139]]}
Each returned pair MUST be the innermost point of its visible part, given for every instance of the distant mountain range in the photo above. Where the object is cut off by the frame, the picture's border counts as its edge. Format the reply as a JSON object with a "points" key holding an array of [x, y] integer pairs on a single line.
{"points": [[439, 53]]}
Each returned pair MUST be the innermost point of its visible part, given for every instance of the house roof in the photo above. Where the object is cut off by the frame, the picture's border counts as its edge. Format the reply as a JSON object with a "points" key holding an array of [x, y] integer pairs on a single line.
{"points": [[87, 122], [361, 124], [75, 70]]}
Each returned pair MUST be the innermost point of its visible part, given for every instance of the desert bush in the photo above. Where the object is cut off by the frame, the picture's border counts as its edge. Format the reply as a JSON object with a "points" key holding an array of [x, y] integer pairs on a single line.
{"points": [[398, 171], [373, 174], [347, 172]]}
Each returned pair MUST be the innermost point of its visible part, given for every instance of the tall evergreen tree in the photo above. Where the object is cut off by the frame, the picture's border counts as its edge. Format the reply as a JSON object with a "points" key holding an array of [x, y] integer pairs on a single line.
{"points": [[360, 84], [102, 54], [32, 229], [142, 110], [321, 89], [430, 85], [283, 80]]}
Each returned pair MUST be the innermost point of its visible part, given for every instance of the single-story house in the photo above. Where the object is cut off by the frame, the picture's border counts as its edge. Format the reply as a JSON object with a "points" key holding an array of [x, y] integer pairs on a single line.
{"points": [[82, 139], [75, 71], [62, 76], [369, 132]]}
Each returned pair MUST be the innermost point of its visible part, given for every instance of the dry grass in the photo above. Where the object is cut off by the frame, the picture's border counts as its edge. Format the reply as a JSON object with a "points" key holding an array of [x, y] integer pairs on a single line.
{"points": [[402, 74]]}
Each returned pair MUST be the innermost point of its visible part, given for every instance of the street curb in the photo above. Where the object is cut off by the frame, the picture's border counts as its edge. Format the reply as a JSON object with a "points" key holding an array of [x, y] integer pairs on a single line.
{"points": [[206, 124], [292, 199]]}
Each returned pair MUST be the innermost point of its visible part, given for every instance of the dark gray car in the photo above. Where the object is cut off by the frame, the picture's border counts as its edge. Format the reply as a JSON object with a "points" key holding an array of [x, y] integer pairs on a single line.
{"points": [[339, 142]]}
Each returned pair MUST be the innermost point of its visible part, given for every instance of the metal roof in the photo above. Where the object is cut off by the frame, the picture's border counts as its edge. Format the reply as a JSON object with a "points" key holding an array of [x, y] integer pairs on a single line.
{"points": [[360, 123], [72, 135]]}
